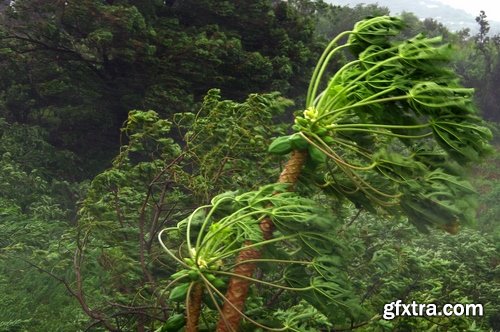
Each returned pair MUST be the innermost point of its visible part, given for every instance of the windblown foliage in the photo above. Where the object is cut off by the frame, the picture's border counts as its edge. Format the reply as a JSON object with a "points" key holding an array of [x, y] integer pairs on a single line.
{"points": [[395, 126], [387, 133], [390, 131]]}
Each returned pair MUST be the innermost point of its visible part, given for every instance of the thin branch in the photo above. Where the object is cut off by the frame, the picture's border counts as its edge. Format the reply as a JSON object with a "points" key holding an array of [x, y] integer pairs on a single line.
{"points": [[157, 213], [119, 212], [78, 295], [353, 219]]}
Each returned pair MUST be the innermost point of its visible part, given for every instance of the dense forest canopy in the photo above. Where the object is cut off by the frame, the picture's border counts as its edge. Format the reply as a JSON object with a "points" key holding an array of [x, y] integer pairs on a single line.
{"points": [[118, 119]]}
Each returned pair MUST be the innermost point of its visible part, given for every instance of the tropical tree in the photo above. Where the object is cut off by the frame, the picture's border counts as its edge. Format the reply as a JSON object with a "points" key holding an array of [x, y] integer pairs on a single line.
{"points": [[391, 132]]}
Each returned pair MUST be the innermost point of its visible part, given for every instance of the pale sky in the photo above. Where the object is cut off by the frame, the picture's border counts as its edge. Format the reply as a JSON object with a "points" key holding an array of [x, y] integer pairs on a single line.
{"points": [[491, 7]]}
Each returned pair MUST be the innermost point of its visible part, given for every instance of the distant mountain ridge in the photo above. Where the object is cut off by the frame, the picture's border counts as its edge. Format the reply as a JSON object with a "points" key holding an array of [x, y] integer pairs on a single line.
{"points": [[453, 18]]}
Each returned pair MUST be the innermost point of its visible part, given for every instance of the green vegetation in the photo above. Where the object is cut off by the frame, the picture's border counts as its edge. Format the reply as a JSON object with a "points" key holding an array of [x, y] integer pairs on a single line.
{"points": [[149, 156]]}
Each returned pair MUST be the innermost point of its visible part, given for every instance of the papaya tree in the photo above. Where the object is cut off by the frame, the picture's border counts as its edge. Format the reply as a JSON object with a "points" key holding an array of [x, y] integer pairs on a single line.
{"points": [[392, 131]]}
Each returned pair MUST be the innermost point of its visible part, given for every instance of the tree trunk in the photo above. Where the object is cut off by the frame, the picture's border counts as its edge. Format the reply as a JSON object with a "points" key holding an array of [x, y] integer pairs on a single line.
{"points": [[194, 308], [238, 288], [140, 323]]}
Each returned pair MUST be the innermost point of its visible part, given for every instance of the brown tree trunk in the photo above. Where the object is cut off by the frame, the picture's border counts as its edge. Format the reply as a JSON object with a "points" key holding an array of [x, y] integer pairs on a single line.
{"points": [[238, 288], [194, 308], [140, 323]]}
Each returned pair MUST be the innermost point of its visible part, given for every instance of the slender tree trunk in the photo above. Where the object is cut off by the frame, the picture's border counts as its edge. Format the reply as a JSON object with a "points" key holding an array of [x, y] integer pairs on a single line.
{"points": [[238, 288], [194, 308], [140, 323]]}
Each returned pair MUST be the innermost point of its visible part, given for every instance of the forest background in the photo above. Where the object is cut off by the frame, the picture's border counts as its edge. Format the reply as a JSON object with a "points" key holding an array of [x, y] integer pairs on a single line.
{"points": [[79, 206]]}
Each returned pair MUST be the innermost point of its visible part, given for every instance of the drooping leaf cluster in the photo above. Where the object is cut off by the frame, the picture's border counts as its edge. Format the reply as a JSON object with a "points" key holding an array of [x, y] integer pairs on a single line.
{"points": [[379, 118], [303, 257]]}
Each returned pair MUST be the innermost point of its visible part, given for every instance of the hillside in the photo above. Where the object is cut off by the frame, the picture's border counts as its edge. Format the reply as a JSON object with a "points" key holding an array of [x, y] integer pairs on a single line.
{"points": [[455, 19]]}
